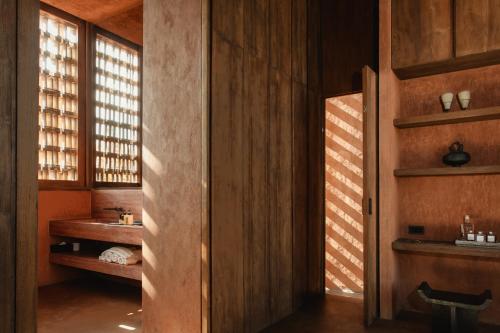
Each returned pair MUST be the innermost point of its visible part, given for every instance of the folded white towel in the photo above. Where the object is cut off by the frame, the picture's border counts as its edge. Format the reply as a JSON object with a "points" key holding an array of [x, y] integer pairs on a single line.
{"points": [[121, 255]]}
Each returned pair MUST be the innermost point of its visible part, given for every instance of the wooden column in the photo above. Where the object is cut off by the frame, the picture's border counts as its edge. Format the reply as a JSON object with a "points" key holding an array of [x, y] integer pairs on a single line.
{"points": [[18, 186], [174, 164]]}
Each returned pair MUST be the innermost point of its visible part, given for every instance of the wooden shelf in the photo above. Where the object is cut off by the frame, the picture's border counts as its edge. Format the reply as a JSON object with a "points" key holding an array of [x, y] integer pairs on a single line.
{"points": [[451, 117], [443, 248], [448, 171], [97, 230], [91, 262]]}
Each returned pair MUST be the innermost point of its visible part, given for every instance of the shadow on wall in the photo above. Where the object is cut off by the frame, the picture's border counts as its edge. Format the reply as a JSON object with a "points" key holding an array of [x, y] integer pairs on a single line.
{"points": [[344, 194]]}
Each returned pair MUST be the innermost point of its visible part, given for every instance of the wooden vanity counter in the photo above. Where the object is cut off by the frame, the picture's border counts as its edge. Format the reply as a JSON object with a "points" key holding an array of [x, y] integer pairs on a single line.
{"points": [[97, 229]]}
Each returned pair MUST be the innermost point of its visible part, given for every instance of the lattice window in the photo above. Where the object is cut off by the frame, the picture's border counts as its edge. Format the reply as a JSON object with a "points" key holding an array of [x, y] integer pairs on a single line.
{"points": [[58, 99], [117, 112]]}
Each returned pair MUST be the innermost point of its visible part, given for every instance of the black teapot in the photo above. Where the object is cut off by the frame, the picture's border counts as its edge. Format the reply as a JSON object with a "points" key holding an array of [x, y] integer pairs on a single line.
{"points": [[457, 156]]}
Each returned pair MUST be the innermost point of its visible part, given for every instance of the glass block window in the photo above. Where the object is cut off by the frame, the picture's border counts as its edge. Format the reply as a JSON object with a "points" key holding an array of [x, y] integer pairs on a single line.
{"points": [[117, 112], [58, 100]]}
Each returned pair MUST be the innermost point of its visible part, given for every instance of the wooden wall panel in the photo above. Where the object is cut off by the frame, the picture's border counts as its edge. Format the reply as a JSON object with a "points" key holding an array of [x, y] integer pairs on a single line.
{"points": [[349, 38], [315, 125], [227, 186], [18, 186], [259, 161], [422, 32], [477, 26], [173, 165], [7, 165]]}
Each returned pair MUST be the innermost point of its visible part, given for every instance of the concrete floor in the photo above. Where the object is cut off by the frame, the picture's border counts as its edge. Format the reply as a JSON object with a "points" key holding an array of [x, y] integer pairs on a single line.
{"points": [[89, 306], [337, 314], [101, 306]]}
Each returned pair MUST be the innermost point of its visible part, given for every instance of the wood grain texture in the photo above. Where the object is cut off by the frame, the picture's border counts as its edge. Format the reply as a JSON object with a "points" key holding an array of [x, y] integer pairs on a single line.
{"points": [[227, 186], [95, 229], [443, 248], [370, 194], [91, 262], [316, 181], [258, 162], [128, 199], [477, 26], [421, 32], [172, 166], [389, 104], [8, 54], [349, 35], [448, 171], [444, 118], [26, 162]]}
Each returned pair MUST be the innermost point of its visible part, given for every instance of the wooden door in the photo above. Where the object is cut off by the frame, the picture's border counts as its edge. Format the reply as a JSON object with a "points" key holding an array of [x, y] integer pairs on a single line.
{"points": [[370, 176]]}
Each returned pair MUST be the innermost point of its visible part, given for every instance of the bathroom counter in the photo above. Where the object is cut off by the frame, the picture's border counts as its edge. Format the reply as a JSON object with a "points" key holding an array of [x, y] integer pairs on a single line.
{"points": [[96, 229], [443, 248]]}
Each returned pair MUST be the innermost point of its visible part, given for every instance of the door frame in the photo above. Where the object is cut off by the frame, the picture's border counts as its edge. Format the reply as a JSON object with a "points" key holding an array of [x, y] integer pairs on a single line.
{"points": [[371, 281]]}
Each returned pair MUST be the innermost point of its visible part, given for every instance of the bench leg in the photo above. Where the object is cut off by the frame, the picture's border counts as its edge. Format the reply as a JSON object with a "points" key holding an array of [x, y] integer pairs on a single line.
{"points": [[467, 320], [441, 319]]}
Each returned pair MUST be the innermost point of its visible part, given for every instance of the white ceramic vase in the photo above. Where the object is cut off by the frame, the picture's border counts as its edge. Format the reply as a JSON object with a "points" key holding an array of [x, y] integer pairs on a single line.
{"points": [[464, 98], [447, 99]]}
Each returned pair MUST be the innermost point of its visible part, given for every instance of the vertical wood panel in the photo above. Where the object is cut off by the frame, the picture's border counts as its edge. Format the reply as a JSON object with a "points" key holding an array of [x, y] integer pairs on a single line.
{"points": [[27, 160], [7, 164], [280, 176], [315, 110], [477, 26], [259, 162], [227, 187], [421, 32]]}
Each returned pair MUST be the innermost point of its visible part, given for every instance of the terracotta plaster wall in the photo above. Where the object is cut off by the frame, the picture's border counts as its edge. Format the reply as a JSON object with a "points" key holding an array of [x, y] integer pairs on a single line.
{"points": [[172, 165], [55, 205], [440, 203]]}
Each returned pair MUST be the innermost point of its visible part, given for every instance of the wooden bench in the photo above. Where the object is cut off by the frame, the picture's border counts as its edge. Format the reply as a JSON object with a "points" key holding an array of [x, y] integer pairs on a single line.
{"points": [[454, 312]]}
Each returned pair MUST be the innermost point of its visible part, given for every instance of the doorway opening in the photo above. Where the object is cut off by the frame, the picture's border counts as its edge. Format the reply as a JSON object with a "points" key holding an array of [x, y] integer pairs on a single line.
{"points": [[344, 195]]}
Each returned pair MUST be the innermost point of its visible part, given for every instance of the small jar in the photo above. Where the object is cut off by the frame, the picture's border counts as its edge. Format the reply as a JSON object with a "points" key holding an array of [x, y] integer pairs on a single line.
{"points": [[491, 238], [471, 236], [480, 237]]}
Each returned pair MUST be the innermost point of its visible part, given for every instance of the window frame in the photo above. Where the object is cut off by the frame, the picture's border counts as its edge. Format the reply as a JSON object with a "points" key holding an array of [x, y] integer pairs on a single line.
{"points": [[46, 184], [94, 31]]}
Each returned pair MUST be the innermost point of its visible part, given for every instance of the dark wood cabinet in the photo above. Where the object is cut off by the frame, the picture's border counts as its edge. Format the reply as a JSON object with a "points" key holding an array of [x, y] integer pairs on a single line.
{"points": [[438, 36], [421, 32], [477, 26]]}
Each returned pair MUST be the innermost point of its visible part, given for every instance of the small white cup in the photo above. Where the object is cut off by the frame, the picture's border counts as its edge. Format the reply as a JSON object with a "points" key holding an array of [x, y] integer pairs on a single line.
{"points": [[447, 99], [464, 98]]}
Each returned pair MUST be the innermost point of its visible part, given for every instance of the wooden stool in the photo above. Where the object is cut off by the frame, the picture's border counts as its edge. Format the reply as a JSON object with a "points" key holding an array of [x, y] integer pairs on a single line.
{"points": [[454, 312]]}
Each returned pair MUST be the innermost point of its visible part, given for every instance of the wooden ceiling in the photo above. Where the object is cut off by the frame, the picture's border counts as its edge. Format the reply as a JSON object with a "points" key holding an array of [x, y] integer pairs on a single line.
{"points": [[122, 17]]}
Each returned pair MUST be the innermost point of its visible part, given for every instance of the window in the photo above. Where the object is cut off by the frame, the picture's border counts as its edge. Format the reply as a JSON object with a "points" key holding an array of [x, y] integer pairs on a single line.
{"points": [[116, 112], [78, 148], [58, 110]]}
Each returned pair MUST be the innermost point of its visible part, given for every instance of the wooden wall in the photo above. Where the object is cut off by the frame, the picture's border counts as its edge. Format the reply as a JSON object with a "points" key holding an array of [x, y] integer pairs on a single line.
{"points": [[349, 35], [174, 163], [18, 99], [263, 94]]}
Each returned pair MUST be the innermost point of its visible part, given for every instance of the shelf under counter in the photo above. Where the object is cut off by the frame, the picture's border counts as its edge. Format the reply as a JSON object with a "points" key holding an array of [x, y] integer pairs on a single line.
{"points": [[99, 230], [90, 261], [443, 248]]}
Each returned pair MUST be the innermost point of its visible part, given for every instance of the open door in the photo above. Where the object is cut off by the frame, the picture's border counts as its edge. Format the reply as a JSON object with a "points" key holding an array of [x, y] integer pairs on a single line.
{"points": [[370, 177]]}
